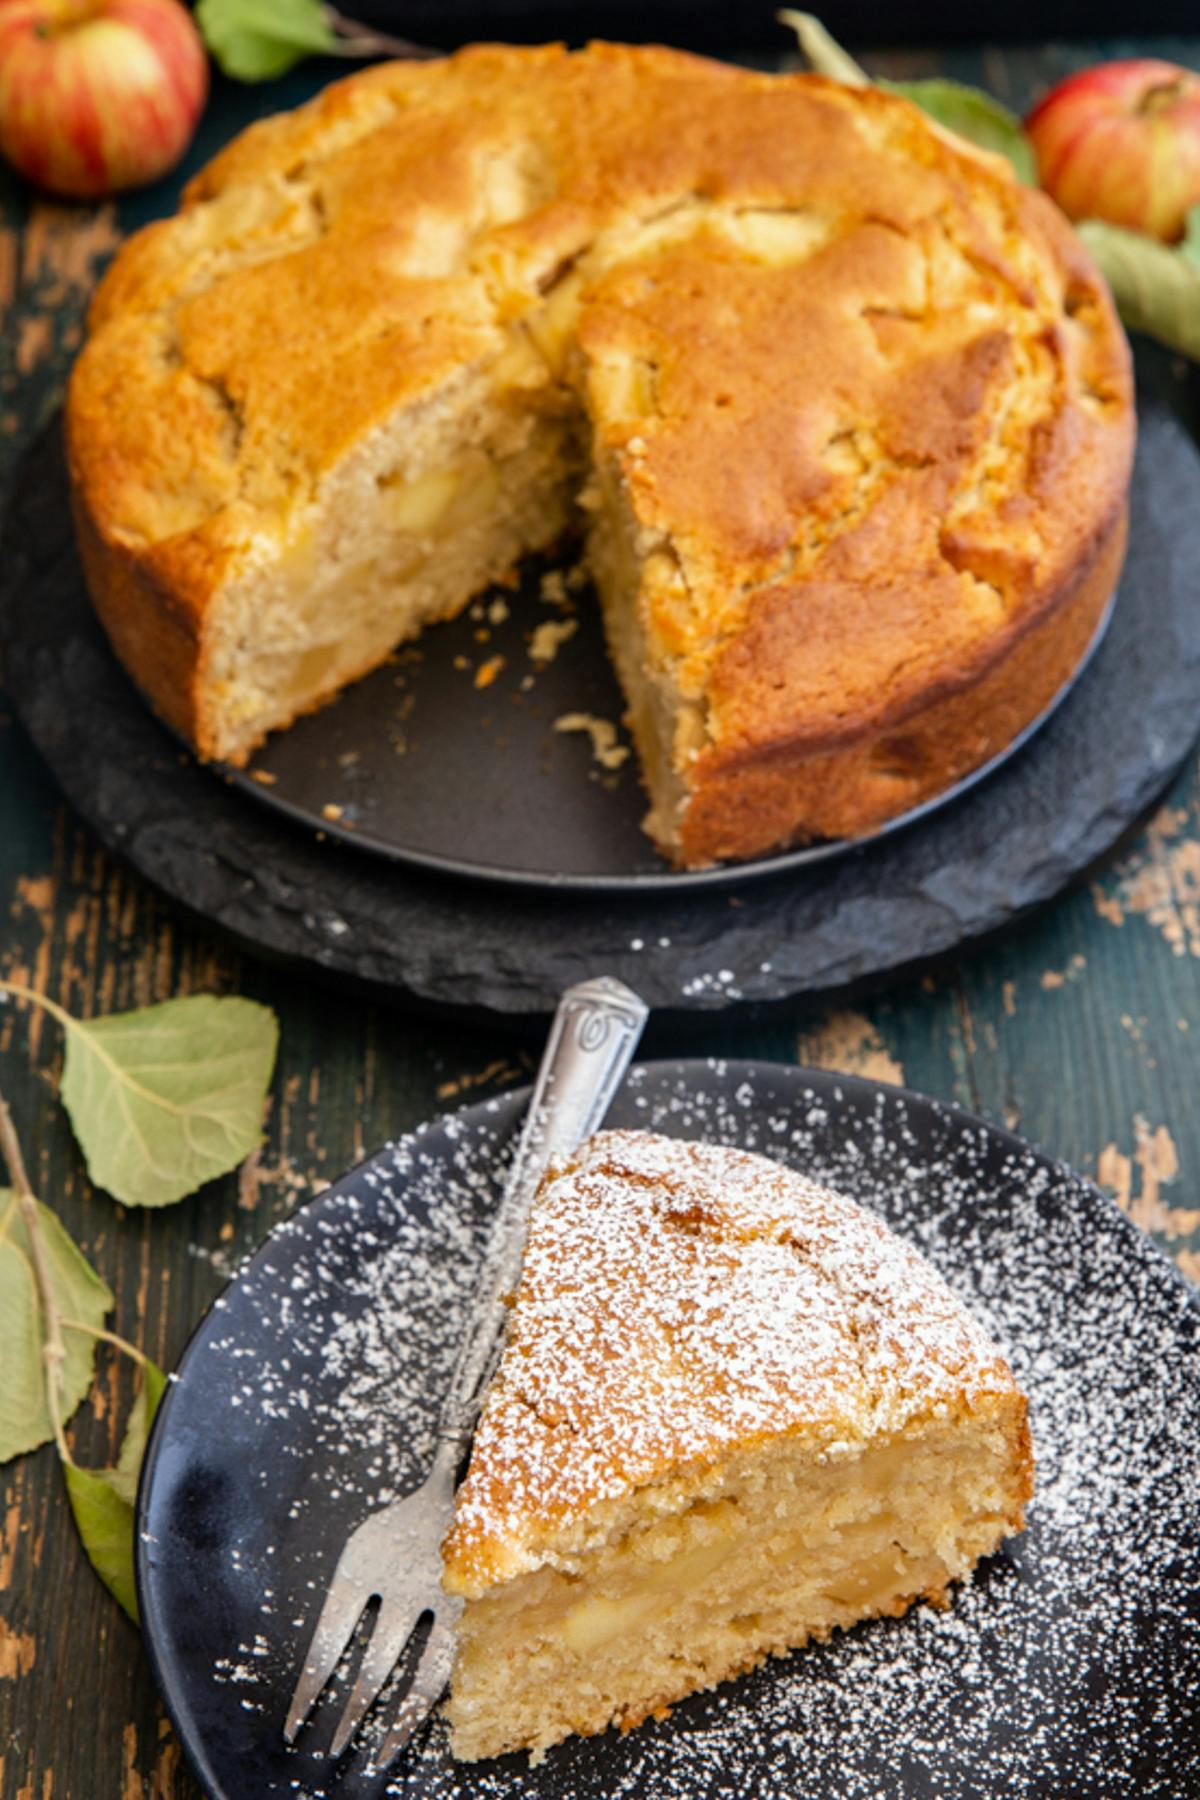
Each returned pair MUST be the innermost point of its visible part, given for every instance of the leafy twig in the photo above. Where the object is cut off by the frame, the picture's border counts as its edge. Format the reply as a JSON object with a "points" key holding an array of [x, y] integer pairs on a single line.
{"points": [[102, 1500], [162, 1100], [53, 1349]]}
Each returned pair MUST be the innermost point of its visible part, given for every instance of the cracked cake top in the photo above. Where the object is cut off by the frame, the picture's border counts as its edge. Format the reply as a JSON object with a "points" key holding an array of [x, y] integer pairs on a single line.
{"points": [[859, 402], [805, 321]]}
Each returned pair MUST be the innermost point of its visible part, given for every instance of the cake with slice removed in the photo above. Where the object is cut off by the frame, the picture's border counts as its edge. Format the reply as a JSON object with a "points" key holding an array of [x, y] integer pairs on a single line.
{"points": [[734, 1413], [843, 409]]}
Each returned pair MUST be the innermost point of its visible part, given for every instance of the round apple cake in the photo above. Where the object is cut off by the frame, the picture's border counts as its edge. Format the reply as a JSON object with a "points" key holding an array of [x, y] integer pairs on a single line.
{"points": [[843, 413]]}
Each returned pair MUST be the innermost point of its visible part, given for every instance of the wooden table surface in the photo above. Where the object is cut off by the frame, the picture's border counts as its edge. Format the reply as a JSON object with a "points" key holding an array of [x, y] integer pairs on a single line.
{"points": [[1081, 1030]]}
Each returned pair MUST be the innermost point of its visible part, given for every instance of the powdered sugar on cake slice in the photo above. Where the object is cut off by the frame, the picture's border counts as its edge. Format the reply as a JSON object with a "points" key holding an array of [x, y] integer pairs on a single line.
{"points": [[680, 1301]]}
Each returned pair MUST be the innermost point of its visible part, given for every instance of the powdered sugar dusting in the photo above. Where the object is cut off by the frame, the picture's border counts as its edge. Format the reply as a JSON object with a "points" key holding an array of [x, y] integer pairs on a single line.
{"points": [[1070, 1667], [679, 1300]]}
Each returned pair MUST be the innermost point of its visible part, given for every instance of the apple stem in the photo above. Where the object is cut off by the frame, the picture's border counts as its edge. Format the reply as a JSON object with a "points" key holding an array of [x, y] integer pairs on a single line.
{"points": [[363, 40]]}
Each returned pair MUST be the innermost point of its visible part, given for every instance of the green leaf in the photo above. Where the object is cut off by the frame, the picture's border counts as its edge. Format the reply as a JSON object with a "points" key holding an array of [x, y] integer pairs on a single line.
{"points": [[255, 40], [124, 1478], [823, 52], [974, 115], [164, 1099], [104, 1500], [104, 1520], [1156, 286], [1190, 247], [25, 1420]]}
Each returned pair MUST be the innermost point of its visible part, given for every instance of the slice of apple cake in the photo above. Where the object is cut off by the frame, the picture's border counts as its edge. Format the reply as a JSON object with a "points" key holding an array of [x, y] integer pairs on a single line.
{"points": [[733, 1413]]}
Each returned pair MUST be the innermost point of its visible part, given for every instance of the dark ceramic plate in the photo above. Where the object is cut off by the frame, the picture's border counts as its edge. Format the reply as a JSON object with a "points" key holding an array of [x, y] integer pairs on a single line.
{"points": [[420, 766], [1069, 1668], [278, 890]]}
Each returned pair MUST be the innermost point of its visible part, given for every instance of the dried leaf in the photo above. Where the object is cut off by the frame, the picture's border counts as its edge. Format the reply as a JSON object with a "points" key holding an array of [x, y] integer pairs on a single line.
{"points": [[25, 1420], [164, 1099]]}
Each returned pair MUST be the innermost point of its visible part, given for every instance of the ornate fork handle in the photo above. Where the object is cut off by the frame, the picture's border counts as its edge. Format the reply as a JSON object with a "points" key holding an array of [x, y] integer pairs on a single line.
{"points": [[595, 1030]]}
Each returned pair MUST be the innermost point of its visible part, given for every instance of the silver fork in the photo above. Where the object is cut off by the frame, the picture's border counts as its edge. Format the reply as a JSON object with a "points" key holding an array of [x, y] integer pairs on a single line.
{"points": [[395, 1555]]}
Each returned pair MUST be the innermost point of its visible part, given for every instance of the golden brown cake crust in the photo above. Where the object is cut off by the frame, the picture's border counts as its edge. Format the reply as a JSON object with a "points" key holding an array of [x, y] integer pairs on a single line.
{"points": [[865, 394], [916, 749], [681, 1304]]}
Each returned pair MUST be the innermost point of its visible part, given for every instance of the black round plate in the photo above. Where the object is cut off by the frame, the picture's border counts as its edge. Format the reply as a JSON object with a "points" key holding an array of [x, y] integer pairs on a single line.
{"points": [[418, 765], [973, 866], [1070, 1668]]}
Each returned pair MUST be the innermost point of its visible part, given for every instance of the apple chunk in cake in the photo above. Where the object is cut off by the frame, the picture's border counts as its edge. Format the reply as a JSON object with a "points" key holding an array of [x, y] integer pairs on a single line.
{"points": [[734, 1413]]}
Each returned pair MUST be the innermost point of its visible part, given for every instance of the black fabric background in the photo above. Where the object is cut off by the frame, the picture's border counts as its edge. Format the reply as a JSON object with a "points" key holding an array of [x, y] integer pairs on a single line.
{"points": [[733, 24]]}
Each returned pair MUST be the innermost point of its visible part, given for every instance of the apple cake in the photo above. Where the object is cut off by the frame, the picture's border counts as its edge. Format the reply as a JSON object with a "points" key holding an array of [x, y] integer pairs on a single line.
{"points": [[843, 412], [733, 1414]]}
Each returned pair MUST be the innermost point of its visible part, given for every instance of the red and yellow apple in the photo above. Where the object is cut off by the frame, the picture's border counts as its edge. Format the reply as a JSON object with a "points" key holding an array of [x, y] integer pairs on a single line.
{"points": [[1122, 142], [97, 95]]}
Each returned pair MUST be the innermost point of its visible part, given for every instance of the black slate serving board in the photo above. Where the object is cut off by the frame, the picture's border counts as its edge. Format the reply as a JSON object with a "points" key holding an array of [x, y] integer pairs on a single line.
{"points": [[971, 868]]}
